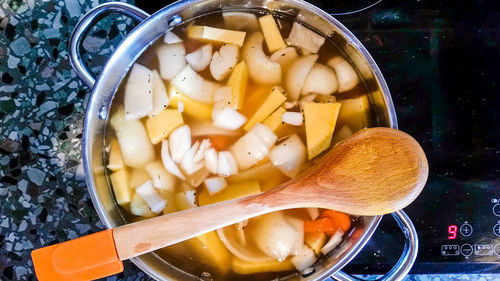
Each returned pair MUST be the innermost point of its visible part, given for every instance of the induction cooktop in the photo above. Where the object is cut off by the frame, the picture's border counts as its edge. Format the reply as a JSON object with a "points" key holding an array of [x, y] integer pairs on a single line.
{"points": [[440, 60]]}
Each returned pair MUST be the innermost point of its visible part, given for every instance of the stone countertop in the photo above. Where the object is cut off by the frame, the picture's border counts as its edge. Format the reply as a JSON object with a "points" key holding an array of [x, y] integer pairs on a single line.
{"points": [[43, 196]]}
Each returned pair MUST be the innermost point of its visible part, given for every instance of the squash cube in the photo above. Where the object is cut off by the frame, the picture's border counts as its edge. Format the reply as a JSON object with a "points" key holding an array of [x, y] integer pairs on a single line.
{"points": [[115, 156], [245, 267], [121, 187], [273, 101], [232, 191], [208, 247], [160, 126], [192, 107], [224, 36], [238, 83], [272, 34], [320, 120]]}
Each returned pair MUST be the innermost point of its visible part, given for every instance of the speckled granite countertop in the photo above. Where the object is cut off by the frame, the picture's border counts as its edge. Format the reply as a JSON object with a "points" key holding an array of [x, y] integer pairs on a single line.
{"points": [[43, 197]]}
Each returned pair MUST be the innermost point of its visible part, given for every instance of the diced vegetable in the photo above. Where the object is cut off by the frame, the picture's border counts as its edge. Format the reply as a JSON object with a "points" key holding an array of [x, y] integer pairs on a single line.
{"points": [[226, 164], [208, 248], [200, 58], [341, 134], [192, 107], [180, 143], [325, 225], [186, 199], [240, 20], [227, 117], [188, 163], [137, 177], [304, 259], [333, 242], [171, 38], [320, 119], [171, 60], [194, 86], [211, 158], [285, 57], [121, 187], [198, 177], [238, 83], [215, 185], [261, 69], [207, 128], [346, 75], [160, 97], [160, 177], [355, 112], [200, 153], [315, 240], [138, 98], [271, 32], [320, 80], [213, 34], [224, 95], [273, 101], [139, 207], [304, 38], [296, 75], [168, 162], [249, 150], [340, 219], [170, 197], [134, 142], [222, 142], [265, 134], [292, 118], [313, 213], [152, 198], [115, 156], [289, 156], [245, 267], [273, 121], [223, 61], [160, 126], [274, 235], [232, 191]]}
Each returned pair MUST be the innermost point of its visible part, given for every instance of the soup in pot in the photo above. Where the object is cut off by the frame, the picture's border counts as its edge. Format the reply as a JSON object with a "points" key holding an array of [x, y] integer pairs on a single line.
{"points": [[229, 105]]}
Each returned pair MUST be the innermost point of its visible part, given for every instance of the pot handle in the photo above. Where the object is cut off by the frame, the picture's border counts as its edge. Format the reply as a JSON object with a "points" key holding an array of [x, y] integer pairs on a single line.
{"points": [[87, 22], [407, 259]]}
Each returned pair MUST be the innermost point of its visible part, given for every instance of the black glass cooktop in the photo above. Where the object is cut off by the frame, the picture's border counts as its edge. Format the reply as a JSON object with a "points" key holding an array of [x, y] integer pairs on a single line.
{"points": [[440, 60]]}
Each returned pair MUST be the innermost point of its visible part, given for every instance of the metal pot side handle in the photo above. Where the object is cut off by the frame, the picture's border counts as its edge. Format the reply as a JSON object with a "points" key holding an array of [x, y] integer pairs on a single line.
{"points": [[407, 259], [87, 22]]}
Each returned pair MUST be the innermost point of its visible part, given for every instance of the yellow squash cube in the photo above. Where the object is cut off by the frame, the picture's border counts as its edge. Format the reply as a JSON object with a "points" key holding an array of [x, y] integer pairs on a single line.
{"points": [[320, 120], [224, 36], [192, 107], [355, 112], [315, 240], [121, 187], [273, 121], [272, 34], [137, 177], [210, 249], [245, 267], [232, 191], [115, 156], [160, 126], [238, 83], [273, 101]]}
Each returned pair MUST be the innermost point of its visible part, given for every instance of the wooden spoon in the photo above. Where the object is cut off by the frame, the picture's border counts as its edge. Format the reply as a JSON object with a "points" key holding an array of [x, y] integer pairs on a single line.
{"points": [[376, 171]]}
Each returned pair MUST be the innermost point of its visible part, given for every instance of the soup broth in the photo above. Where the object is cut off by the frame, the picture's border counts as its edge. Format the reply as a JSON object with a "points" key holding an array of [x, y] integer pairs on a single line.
{"points": [[229, 105]]}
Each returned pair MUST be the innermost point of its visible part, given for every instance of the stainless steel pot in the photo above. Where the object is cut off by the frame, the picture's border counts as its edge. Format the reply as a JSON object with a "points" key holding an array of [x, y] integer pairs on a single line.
{"points": [[152, 27]]}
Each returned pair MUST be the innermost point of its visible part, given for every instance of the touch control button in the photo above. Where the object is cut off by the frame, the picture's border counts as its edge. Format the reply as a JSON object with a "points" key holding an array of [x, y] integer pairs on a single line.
{"points": [[466, 250], [496, 229], [496, 210], [497, 249], [466, 229]]}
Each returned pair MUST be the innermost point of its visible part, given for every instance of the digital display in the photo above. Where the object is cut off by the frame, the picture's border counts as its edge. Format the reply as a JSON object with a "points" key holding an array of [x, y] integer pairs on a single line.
{"points": [[452, 232]]}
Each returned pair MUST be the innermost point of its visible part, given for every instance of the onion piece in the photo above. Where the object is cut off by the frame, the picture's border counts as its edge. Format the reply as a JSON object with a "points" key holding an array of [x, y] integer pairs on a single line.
{"points": [[266, 135], [186, 199], [304, 38], [194, 86], [240, 20], [211, 160], [161, 178], [227, 117], [285, 57], [171, 38], [139, 207], [168, 163], [138, 98], [296, 75], [292, 118], [223, 61], [188, 164], [226, 164], [333, 242], [160, 96], [207, 128], [215, 184], [200, 58], [180, 142], [321, 80], [304, 259], [152, 198], [289, 156], [346, 75], [171, 60], [260, 68], [204, 146], [249, 150]]}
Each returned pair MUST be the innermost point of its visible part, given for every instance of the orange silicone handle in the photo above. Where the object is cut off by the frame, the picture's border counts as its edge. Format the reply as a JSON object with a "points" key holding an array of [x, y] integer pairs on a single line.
{"points": [[86, 258]]}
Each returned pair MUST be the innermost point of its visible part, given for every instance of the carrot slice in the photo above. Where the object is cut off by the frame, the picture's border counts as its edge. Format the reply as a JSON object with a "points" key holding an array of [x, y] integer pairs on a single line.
{"points": [[220, 142], [320, 225], [338, 218]]}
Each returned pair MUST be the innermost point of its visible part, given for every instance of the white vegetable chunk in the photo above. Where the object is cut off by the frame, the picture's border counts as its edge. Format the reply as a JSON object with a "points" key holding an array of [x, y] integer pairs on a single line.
{"points": [[186, 199], [223, 61], [206, 128], [240, 20], [171, 38], [194, 86], [292, 118], [304, 259], [346, 75], [204, 146], [133, 139], [249, 150], [285, 57], [188, 164], [320, 80], [261, 68], [304, 38], [180, 143], [171, 60], [138, 99], [289, 156], [215, 184], [296, 75], [333, 242], [266, 135], [161, 178], [227, 117], [168, 163], [226, 164], [200, 58], [211, 160], [147, 192], [139, 207], [160, 97]]}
